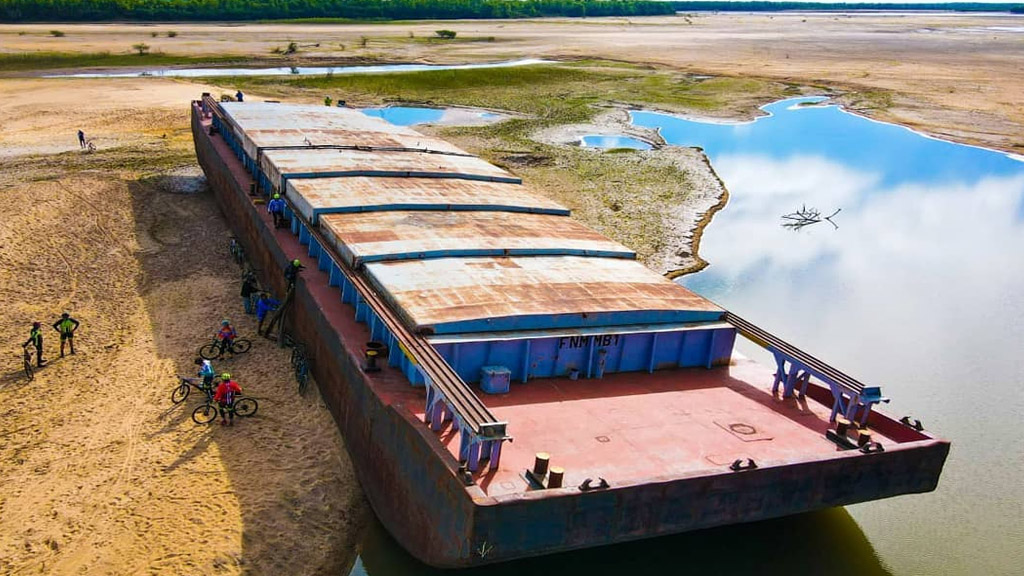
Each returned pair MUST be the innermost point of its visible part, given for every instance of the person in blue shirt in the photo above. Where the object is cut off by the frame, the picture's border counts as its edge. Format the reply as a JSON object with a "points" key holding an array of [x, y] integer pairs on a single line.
{"points": [[276, 209], [207, 372], [265, 305], [238, 95]]}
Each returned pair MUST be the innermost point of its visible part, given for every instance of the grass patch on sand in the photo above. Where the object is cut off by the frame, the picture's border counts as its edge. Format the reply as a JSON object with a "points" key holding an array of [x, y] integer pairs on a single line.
{"points": [[626, 196], [26, 61]]}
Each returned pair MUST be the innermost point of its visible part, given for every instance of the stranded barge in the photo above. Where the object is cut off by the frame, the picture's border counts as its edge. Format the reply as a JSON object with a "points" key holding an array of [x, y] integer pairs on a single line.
{"points": [[510, 383]]}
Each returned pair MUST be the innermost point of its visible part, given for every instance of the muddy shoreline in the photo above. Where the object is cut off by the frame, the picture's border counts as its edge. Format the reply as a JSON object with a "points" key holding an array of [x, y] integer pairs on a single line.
{"points": [[679, 253]]}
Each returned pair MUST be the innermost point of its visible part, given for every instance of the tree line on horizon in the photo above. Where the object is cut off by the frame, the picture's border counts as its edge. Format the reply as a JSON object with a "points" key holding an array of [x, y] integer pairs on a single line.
{"points": [[149, 10]]}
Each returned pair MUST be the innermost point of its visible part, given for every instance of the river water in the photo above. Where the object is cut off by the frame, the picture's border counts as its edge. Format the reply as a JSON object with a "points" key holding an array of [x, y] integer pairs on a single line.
{"points": [[167, 72], [917, 290]]}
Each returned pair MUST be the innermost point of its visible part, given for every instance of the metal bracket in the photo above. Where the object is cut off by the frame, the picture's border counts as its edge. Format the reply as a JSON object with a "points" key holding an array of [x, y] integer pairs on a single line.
{"points": [[738, 465], [916, 425], [587, 487], [872, 448]]}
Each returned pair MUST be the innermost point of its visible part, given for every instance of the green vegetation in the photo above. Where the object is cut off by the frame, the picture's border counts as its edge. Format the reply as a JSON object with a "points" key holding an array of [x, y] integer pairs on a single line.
{"points": [[142, 48], [56, 33], [172, 34], [445, 34], [97, 10], [51, 60], [625, 195]]}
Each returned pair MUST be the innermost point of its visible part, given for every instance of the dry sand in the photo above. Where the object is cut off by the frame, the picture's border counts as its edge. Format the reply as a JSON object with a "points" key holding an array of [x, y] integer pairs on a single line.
{"points": [[99, 472], [954, 75]]}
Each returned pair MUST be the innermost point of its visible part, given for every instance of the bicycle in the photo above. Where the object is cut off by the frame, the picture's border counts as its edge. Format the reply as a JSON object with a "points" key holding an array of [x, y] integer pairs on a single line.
{"points": [[212, 351], [301, 364], [237, 252], [243, 406], [30, 371], [185, 386]]}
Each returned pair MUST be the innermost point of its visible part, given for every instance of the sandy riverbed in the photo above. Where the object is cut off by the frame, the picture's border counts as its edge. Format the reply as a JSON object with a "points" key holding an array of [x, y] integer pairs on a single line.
{"points": [[99, 472]]}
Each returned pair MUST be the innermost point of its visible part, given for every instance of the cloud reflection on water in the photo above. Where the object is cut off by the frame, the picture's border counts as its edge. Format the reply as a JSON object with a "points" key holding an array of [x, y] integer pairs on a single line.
{"points": [[919, 290]]}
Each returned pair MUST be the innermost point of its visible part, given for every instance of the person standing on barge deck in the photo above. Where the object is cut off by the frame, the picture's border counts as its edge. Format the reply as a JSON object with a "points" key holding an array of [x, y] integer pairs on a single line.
{"points": [[276, 209]]}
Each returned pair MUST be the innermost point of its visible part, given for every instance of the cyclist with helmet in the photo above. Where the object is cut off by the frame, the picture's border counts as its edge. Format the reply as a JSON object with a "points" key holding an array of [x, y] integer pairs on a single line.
{"points": [[226, 335], [224, 396], [291, 272], [207, 372], [276, 209], [66, 326], [35, 337]]}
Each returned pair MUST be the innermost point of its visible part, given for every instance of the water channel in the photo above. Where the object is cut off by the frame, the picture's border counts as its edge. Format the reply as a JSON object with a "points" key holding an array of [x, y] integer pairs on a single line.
{"points": [[410, 116], [612, 142], [917, 290], [292, 70]]}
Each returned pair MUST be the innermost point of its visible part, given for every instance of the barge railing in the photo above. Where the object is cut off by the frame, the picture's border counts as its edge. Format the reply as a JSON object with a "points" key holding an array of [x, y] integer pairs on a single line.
{"points": [[849, 395]]}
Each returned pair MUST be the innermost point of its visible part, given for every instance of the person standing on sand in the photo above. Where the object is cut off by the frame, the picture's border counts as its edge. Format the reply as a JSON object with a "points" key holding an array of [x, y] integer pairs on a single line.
{"points": [[66, 326], [249, 287], [239, 95], [206, 371], [81, 139], [35, 337], [227, 336], [224, 396]]}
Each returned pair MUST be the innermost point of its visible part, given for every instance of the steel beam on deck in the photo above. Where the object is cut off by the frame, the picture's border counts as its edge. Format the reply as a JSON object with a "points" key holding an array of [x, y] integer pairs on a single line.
{"points": [[847, 392]]}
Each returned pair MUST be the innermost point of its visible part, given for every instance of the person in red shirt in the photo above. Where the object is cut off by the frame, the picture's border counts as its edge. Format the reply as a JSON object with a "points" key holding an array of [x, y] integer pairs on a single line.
{"points": [[224, 396], [226, 335]]}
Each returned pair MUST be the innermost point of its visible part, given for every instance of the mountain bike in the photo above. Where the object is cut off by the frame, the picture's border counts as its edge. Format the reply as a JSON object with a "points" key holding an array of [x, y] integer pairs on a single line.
{"points": [[30, 372], [212, 351], [243, 406], [301, 364], [185, 386]]}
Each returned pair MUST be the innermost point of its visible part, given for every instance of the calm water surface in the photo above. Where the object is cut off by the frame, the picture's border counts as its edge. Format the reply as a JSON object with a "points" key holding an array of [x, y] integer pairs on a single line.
{"points": [[290, 70], [606, 141], [919, 290], [410, 116]]}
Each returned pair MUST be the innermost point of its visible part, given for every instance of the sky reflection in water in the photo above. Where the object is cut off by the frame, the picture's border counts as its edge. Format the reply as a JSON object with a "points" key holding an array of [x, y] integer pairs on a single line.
{"points": [[919, 290]]}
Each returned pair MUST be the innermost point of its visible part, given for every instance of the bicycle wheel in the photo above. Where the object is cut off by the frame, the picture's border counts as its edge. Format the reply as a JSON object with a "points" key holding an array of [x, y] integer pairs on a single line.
{"points": [[204, 414], [209, 352], [180, 393], [298, 354], [302, 375], [30, 372], [241, 346], [246, 406]]}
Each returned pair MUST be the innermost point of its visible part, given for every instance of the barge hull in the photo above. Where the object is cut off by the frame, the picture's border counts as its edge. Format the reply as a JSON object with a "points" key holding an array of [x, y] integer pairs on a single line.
{"points": [[410, 477]]}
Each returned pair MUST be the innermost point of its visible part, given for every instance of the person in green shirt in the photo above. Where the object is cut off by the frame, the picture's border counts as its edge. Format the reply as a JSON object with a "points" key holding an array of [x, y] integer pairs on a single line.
{"points": [[35, 338], [66, 326]]}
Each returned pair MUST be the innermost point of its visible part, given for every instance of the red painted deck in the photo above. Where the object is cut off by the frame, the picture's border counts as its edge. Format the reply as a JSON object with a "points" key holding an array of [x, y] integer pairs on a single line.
{"points": [[636, 427]]}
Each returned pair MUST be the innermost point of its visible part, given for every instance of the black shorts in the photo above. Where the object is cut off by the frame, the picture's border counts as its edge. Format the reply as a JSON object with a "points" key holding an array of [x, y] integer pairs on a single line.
{"points": [[68, 336]]}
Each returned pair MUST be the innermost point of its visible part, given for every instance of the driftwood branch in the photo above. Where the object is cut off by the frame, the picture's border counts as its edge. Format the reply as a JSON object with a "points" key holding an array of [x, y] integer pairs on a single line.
{"points": [[806, 216]]}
